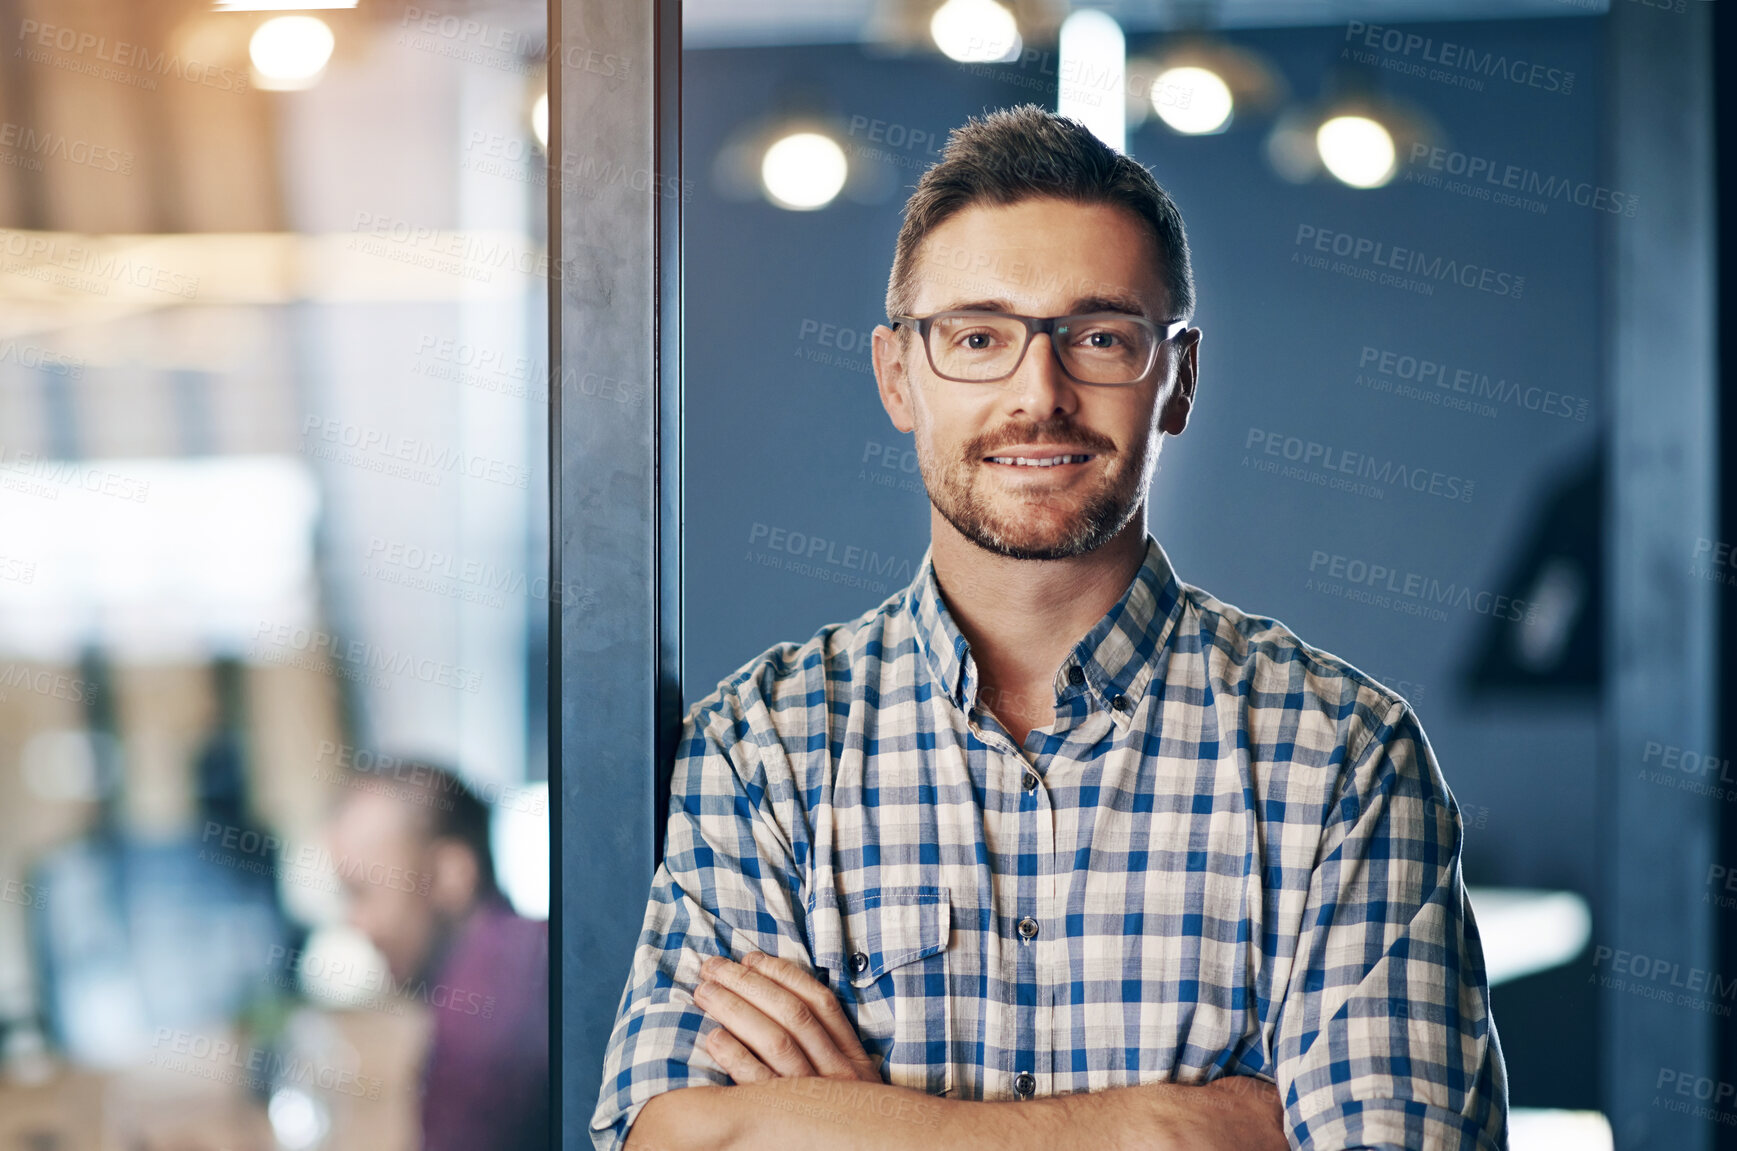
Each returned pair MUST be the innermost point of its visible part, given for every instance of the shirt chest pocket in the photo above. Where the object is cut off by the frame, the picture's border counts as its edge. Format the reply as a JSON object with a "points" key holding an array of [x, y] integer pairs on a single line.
{"points": [[885, 951]]}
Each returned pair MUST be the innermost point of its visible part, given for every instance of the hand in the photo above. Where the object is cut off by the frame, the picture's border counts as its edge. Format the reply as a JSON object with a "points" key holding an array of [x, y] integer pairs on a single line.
{"points": [[777, 1021], [1241, 1111]]}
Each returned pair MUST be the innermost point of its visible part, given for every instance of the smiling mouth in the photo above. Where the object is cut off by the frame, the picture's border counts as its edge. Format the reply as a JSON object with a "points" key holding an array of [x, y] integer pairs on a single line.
{"points": [[1037, 461]]}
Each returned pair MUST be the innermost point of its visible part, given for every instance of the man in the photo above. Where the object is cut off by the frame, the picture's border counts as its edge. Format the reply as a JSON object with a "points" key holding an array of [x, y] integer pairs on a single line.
{"points": [[1050, 826], [412, 852]]}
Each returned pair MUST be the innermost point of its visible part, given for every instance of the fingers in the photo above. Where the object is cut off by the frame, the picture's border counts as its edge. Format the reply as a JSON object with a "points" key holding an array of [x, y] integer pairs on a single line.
{"points": [[785, 1017], [825, 1006], [770, 1042], [735, 1058]]}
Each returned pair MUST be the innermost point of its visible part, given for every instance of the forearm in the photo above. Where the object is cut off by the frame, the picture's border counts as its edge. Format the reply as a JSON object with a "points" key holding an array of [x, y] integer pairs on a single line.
{"points": [[801, 1114]]}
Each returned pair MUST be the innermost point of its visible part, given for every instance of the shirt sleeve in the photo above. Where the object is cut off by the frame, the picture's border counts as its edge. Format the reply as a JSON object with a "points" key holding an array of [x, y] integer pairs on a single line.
{"points": [[729, 884], [1385, 1038]]}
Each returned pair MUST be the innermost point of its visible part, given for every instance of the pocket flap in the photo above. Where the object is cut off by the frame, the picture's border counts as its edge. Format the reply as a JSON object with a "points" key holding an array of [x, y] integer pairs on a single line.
{"points": [[888, 927]]}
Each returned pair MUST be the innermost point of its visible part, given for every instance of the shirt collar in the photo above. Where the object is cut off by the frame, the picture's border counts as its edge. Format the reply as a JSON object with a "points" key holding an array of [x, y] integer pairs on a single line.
{"points": [[1117, 658]]}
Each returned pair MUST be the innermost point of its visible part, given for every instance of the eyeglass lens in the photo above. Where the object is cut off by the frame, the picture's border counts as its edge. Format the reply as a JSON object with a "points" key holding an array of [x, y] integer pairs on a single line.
{"points": [[1101, 349]]}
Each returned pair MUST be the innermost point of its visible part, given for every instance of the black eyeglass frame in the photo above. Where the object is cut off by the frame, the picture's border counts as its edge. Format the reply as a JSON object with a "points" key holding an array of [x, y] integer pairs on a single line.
{"points": [[1048, 325]]}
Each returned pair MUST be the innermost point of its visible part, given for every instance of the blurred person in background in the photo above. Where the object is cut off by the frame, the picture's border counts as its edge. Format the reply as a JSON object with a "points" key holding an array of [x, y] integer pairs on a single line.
{"points": [[412, 852]]}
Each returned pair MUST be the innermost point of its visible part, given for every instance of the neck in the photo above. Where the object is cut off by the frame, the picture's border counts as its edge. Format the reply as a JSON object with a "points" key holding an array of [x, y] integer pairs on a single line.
{"points": [[1021, 617]]}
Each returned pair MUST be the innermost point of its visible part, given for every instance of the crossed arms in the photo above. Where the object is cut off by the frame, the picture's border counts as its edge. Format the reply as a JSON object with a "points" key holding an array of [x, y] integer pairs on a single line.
{"points": [[1379, 1032], [804, 1081]]}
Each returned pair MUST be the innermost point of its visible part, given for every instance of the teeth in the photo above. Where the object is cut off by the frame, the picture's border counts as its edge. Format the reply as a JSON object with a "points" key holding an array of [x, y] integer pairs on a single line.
{"points": [[1043, 462]]}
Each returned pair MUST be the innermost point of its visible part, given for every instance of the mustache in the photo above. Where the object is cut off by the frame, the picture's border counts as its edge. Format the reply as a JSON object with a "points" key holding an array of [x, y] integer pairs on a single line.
{"points": [[1044, 432]]}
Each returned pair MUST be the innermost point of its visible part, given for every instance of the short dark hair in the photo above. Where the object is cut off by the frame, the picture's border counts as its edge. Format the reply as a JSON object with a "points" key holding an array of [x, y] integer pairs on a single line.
{"points": [[442, 805], [1025, 153]]}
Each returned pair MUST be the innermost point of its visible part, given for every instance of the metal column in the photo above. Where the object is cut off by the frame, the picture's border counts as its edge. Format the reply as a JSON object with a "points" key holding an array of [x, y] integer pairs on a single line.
{"points": [[615, 471], [1659, 689]]}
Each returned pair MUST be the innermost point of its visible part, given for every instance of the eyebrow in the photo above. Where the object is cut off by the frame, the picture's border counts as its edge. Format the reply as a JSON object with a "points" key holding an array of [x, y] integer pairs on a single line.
{"points": [[1080, 306]]}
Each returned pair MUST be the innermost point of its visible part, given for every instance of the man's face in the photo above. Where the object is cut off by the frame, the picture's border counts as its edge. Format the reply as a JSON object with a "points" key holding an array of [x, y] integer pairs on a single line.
{"points": [[1040, 257], [382, 858]]}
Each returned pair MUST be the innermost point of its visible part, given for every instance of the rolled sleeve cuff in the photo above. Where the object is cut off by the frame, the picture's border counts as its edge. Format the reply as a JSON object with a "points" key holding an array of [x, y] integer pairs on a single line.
{"points": [[1392, 1125]]}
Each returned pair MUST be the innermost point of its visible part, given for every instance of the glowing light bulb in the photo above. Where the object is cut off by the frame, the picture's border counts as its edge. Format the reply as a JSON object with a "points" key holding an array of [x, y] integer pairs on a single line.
{"points": [[1357, 150], [975, 31], [290, 51], [540, 120], [803, 171], [1194, 101]]}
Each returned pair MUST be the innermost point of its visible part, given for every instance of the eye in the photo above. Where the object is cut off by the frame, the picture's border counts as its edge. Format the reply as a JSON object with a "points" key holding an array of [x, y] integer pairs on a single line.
{"points": [[1100, 338]]}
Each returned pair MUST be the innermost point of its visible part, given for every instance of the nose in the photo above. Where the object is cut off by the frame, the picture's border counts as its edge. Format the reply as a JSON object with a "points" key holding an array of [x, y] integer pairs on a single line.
{"points": [[1039, 387]]}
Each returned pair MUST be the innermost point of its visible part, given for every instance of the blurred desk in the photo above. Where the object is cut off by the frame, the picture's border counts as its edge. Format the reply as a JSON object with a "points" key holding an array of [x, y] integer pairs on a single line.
{"points": [[188, 1103]]}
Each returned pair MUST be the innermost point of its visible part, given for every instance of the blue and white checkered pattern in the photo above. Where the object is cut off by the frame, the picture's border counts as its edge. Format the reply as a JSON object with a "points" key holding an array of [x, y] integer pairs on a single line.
{"points": [[1237, 852]]}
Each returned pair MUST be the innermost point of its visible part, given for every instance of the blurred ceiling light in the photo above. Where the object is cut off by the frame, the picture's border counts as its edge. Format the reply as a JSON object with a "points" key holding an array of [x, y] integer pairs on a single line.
{"points": [[1094, 54], [540, 120], [1359, 137], [289, 52], [803, 171], [1200, 85], [1552, 1129], [1194, 101], [1526, 931], [1357, 150], [519, 837], [279, 5], [975, 31]]}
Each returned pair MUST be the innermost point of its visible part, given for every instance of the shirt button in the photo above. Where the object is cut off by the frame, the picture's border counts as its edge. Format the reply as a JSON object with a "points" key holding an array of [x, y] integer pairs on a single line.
{"points": [[1031, 781], [1076, 676], [1028, 928], [1120, 703], [1024, 1084], [859, 963]]}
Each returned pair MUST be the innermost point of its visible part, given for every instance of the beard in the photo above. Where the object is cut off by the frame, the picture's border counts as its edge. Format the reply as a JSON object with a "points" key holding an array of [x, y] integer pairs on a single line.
{"points": [[996, 521]]}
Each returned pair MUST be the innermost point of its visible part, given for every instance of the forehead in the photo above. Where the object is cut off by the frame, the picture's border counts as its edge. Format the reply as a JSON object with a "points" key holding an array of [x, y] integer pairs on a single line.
{"points": [[1039, 256]]}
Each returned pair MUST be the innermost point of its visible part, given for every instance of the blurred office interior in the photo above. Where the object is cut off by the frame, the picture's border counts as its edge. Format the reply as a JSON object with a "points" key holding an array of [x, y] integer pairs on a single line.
{"points": [[274, 462]]}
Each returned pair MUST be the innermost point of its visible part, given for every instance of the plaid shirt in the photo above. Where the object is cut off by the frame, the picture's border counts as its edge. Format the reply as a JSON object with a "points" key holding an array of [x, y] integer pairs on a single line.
{"points": [[1230, 854]]}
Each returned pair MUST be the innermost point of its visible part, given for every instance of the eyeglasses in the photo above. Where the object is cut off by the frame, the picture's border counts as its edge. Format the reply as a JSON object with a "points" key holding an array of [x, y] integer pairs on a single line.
{"points": [[987, 347]]}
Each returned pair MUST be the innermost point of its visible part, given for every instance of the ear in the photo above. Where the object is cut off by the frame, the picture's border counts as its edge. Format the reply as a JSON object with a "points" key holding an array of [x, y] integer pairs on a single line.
{"points": [[892, 376], [1180, 402], [453, 887]]}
